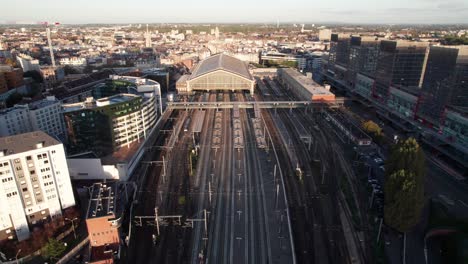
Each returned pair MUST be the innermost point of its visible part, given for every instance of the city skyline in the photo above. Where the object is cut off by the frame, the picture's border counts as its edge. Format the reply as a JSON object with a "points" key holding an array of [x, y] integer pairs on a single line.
{"points": [[208, 11]]}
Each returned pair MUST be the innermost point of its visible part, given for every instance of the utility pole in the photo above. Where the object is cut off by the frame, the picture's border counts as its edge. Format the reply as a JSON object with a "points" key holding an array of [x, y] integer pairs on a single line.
{"points": [[156, 219], [209, 191], [206, 223], [73, 224], [274, 174], [164, 170], [380, 229]]}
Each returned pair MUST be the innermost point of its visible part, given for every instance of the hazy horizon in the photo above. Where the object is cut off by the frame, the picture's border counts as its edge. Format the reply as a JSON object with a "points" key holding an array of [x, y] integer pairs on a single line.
{"points": [[241, 11]]}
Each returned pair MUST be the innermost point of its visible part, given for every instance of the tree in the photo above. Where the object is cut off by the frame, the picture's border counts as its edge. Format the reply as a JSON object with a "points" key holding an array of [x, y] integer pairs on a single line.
{"points": [[53, 249], [372, 128], [404, 185], [70, 70], [13, 99], [11, 62], [35, 75]]}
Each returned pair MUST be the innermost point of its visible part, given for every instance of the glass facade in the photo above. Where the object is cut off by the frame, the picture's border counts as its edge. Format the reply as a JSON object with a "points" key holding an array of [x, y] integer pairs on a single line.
{"points": [[364, 85], [456, 127], [402, 103], [399, 64], [444, 83], [91, 129]]}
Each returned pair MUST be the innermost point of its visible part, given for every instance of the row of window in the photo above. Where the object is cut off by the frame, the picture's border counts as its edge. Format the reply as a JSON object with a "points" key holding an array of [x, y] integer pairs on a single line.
{"points": [[45, 169], [12, 194], [5, 172], [7, 179]]}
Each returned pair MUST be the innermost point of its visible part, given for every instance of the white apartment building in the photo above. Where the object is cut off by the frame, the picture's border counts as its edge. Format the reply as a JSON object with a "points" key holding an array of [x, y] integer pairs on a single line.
{"points": [[35, 185], [14, 120], [27, 63], [45, 115], [74, 61]]}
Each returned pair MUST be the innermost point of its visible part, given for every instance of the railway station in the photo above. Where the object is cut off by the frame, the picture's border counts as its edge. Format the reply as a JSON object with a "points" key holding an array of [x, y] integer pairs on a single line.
{"points": [[219, 72]]}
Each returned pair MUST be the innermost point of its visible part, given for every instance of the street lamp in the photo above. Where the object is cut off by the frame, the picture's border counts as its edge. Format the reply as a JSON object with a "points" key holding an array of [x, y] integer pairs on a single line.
{"points": [[73, 224], [16, 257]]}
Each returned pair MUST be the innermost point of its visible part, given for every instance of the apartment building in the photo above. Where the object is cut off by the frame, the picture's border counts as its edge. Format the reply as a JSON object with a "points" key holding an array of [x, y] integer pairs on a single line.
{"points": [[35, 185]]}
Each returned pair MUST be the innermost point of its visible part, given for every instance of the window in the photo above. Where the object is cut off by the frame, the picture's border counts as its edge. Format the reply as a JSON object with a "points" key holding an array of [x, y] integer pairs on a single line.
{"points": [[28, 158], [25, 189]]}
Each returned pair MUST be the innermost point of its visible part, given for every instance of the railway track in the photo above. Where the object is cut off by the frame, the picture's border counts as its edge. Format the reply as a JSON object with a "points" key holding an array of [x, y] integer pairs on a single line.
{"points": [[316, 221]]}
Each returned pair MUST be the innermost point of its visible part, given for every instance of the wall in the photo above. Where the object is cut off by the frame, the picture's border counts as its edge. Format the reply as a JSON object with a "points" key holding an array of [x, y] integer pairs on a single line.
{"points": [[91, 169]]}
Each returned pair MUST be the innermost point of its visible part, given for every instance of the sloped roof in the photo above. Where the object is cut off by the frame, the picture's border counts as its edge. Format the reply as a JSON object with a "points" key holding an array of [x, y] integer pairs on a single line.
{"points": [[221, 62]]}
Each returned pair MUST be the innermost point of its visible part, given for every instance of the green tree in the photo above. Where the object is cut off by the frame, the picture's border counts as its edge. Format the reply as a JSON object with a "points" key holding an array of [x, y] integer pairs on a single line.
{"points": [[53, 249], [13, 99], [70, 70], [404, 185], [35, 75], [372, 128], [11, 62]]}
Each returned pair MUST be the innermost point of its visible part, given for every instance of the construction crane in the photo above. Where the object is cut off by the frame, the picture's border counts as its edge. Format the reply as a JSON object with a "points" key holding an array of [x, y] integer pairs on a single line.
{"points": [[47, 25]]}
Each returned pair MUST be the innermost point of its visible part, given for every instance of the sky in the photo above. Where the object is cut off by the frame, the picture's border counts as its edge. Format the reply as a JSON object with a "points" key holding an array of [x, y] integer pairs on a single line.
{"points": [[237, 11]]}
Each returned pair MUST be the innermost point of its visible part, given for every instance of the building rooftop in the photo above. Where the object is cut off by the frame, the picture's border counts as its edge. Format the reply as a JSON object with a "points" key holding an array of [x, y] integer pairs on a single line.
{"points": [[24, 142], [136, 80], [307, 83], [221, 62], [102, 201], [43, 103], [109, 199], [90, 103], [18, 107]]}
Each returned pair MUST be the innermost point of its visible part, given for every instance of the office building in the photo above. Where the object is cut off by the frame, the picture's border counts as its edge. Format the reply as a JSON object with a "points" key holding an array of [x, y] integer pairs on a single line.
{"points": [[35, 185], [218, 72], [420, 89], [400, 64], [445, 82], [107, 124]]}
